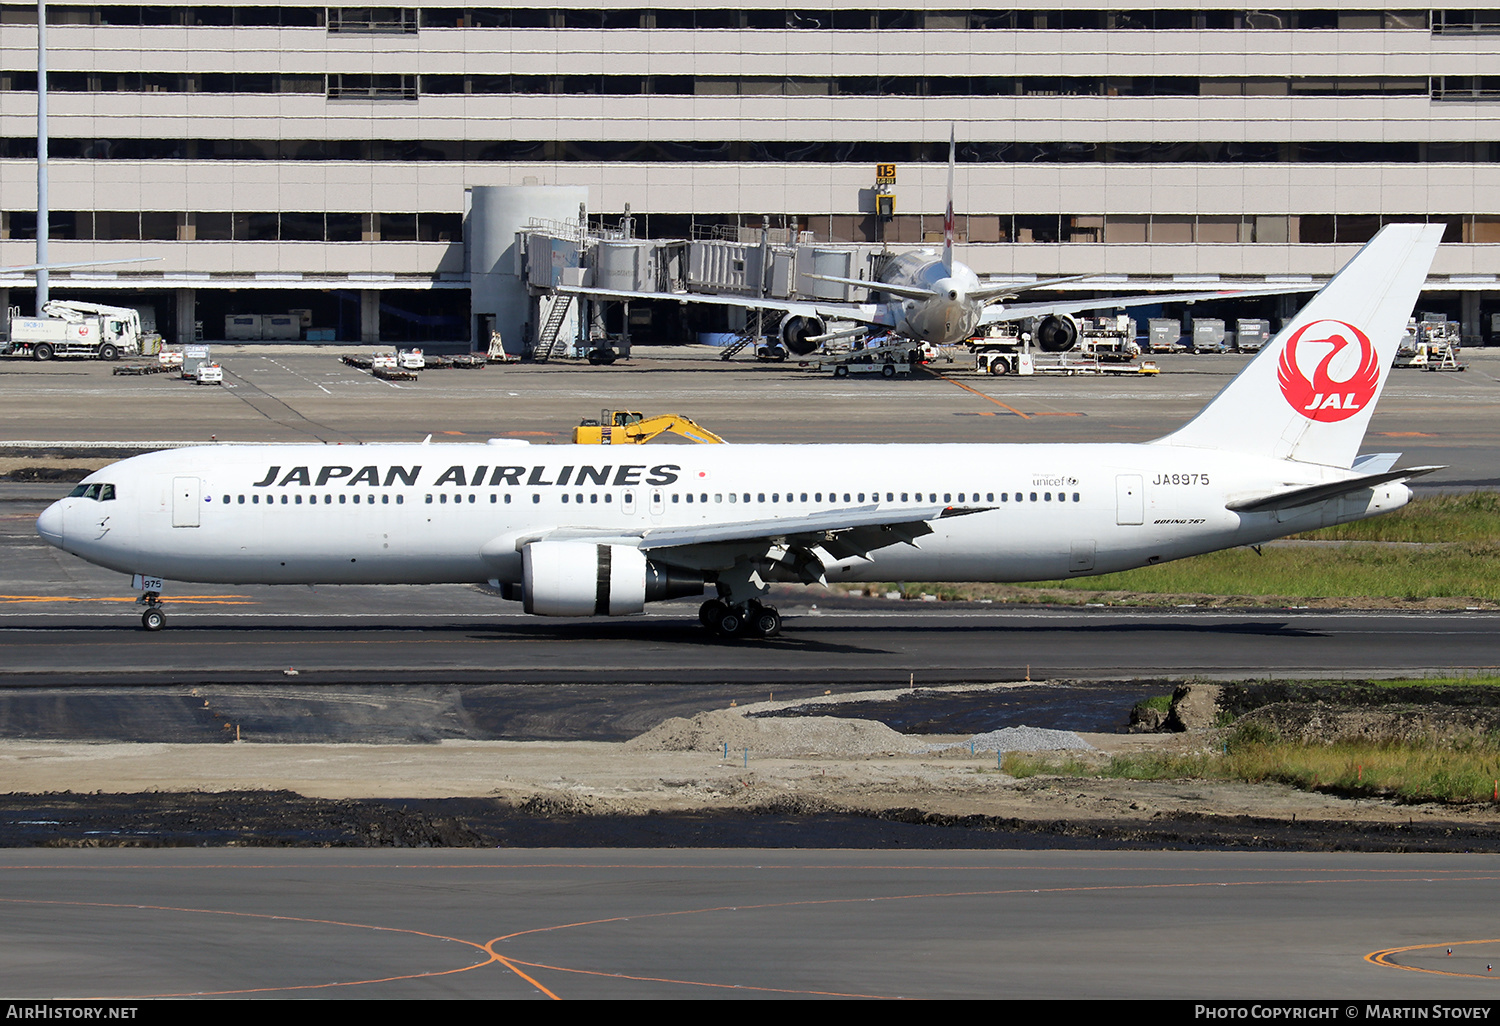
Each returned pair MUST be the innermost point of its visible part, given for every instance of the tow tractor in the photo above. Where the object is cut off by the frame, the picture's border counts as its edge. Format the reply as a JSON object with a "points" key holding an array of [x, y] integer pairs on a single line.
{"points": [[624, 427], [886, 355]]}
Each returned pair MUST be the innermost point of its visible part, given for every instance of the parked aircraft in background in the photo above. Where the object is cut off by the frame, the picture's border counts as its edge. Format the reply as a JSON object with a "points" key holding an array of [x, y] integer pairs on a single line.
{"points": [[930, 297]]}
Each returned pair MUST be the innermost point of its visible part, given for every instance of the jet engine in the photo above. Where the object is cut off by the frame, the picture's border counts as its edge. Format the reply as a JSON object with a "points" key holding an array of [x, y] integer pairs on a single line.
{"points": [[1056, 333], [583, 579], [796, 329]]}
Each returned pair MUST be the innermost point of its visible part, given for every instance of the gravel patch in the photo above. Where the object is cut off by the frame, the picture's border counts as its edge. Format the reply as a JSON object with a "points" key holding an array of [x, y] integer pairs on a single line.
{"points": [[1021, 739]]}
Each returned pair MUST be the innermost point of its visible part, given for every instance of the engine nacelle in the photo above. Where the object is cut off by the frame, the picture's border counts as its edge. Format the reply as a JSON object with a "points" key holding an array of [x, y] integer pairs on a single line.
{"points": [[582, 579], [1056, 333], [796, 329]]}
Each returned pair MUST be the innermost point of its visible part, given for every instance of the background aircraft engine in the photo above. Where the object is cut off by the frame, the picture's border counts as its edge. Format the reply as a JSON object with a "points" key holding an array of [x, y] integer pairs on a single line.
{"points": [[581, 579], [796, 329], [1056, 333]]}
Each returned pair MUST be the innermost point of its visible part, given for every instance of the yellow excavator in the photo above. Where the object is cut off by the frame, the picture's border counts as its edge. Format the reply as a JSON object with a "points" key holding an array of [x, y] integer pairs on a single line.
{"points": [[624, 427]]}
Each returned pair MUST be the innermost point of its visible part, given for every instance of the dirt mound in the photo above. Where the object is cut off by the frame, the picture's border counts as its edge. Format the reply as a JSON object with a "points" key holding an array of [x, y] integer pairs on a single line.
{"points": [[805, 735]]}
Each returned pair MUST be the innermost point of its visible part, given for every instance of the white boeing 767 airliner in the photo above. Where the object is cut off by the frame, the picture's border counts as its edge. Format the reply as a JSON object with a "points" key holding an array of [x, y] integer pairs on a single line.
{"points": [[588, 530]]}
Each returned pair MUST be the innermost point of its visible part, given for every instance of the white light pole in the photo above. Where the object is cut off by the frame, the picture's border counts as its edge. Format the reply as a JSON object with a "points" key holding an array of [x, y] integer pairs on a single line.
{"points": [[43, 215]]}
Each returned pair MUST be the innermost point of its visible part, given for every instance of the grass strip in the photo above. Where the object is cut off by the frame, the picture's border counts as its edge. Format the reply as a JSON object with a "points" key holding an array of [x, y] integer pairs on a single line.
{"points": [[1463, 772]]}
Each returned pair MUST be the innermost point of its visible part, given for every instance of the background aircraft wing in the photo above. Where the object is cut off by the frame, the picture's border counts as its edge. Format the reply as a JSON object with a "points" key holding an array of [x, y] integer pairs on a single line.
{"points": [[1022, 311], [866, 313]]}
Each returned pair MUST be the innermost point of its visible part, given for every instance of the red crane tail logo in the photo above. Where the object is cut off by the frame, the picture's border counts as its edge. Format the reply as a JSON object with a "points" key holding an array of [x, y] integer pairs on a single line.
{"points": [[1344, 380]]}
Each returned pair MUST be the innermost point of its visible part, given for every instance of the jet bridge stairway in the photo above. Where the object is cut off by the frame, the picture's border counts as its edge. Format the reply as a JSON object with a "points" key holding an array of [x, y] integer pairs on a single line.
{"points": [[549, 344], [742, 339]]}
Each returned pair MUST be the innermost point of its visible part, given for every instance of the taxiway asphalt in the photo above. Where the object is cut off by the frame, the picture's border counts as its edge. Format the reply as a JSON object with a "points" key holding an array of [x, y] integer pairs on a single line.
{"points": [[130, 925]]}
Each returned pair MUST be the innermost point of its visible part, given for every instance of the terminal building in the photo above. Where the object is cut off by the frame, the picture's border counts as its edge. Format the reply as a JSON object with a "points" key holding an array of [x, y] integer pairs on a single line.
{"points": [[323, 160]]}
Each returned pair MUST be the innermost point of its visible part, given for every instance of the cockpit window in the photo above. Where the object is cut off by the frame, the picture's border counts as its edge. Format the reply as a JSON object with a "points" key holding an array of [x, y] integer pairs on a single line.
{"points": [[77, 493], [106, 492], [98, 492]]}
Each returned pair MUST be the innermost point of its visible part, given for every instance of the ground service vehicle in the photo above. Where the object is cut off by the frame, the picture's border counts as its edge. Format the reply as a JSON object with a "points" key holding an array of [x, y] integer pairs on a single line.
{"points": [[623, 427], [75, 328]]}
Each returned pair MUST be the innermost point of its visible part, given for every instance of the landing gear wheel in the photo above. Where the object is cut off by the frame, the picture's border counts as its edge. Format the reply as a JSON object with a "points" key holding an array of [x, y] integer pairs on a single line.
{"points": [[709, 613], [730, 623], [766, 623], [153, 619]]}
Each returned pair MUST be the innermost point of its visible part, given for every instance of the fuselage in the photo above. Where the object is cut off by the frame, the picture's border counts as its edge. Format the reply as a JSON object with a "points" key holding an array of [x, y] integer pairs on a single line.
{"points": [[418, 514], [950, 316]]}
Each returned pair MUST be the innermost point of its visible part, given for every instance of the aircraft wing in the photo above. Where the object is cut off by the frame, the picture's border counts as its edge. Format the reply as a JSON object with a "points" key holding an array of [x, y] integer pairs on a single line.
{"points": [[867, 313], [837, 533], [1309, 494], [1022, 311]]}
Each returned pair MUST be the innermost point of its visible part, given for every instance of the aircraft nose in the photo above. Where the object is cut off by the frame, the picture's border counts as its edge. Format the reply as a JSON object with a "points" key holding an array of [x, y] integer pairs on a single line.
{"points": [[50, 524]]}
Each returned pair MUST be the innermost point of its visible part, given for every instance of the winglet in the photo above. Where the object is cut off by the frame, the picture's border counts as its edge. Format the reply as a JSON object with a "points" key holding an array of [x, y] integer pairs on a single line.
{"points": [[948, 216]]}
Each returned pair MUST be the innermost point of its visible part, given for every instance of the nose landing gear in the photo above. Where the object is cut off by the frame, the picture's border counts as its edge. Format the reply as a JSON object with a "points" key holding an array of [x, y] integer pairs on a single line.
{"points": [[154, 618]]}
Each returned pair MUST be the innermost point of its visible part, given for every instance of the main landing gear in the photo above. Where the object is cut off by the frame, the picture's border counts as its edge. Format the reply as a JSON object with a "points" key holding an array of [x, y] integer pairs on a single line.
{"points": [[153, 619], [748, 619]]}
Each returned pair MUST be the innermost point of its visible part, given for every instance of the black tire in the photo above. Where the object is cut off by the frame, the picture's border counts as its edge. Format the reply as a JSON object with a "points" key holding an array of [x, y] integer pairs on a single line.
{"points": [[766, 623], [41, 351], [730, 623], [153, 619], [594, 358], [841, 371], [709, 612], [888, 371], [109, 351], [607, 357], [999, 368]]}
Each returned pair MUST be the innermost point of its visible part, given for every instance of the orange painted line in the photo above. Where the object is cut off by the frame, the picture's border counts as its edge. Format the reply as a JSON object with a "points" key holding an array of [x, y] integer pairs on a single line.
{"points": [[977, 392], [700, 983], [273, 918], [1383, 958], [204, 600], [1404, 434]]}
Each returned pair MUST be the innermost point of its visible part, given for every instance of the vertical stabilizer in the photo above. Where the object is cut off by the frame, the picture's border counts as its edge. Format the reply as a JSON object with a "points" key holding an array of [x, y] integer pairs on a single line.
{"points": [[948, 217], [1309, 394]]}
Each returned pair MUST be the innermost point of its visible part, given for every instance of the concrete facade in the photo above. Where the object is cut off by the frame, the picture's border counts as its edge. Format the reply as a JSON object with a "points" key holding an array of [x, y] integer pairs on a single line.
{"points": [[1367, 113]]}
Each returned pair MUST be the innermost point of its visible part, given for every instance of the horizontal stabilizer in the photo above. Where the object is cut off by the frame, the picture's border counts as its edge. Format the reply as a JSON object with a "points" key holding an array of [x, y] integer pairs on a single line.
{"points": [[1310, 494], [904, 291]]}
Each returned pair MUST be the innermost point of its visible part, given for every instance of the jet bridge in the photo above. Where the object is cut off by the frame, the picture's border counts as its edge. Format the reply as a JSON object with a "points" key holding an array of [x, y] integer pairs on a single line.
{"points": [[739, 263]]}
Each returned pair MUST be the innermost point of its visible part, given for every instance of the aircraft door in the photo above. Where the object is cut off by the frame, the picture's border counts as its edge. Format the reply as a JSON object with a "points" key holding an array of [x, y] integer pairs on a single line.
{"points": [[186, 495], [627, 503], [658, 503], [1130, 499]]}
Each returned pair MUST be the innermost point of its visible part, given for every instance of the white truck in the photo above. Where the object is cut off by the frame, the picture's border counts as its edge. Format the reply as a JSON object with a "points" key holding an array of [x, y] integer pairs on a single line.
{"points": [[74, 328]]}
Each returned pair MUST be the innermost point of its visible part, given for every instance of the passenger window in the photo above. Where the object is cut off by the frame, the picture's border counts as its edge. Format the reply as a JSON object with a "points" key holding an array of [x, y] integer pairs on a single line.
{"points": [[226, 499], [400, 499], [1075, 496], [1033, 496], [299, 500], [242, 500]]}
